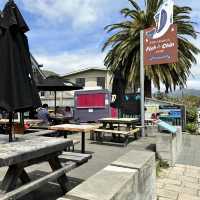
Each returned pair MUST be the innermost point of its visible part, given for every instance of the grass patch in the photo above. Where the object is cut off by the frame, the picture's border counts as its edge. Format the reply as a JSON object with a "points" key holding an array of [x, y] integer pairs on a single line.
{"points": [[161, 164]]}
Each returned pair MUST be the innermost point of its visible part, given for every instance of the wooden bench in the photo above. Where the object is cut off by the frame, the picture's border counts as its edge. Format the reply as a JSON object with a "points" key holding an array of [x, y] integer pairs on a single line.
{"points": [[77, 158], [17, 156], [71, 159], [29, 187], [126, 134]]}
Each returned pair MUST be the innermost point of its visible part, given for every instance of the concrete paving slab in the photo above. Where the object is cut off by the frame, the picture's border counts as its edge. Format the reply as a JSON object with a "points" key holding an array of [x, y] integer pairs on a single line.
{"points": [[187, 187]]}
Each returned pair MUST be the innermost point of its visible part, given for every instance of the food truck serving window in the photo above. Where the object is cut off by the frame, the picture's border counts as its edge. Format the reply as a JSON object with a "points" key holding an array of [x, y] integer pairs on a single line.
{"points": [[96, 100]]}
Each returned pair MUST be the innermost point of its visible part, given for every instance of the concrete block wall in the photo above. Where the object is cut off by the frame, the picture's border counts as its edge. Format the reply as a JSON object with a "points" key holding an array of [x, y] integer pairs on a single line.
{"points": [[169, 146], [151, 130], [132, 177], [179, 139], [144, 163]]}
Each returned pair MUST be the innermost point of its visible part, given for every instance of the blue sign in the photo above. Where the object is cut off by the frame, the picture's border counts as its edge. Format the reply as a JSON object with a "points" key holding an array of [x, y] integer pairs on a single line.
{"points": [[175, 113]]}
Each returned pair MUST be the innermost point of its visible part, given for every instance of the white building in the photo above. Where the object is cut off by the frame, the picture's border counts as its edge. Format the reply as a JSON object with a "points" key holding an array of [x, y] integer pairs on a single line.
{"points": [[87, 78]]}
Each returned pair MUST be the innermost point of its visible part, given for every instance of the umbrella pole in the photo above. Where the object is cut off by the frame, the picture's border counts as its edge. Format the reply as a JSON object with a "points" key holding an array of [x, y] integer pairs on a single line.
{"points": [[55, 102], [10, 126]]}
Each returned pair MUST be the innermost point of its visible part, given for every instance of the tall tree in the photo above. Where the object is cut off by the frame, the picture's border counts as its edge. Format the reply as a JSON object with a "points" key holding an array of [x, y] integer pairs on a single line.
{"points": [[124, 47]]}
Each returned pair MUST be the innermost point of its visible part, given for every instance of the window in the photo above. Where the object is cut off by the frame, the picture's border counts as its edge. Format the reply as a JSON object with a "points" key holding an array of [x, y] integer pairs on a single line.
{"points": [[101, 82], [80, 82], [51, 93], [42, 94]]}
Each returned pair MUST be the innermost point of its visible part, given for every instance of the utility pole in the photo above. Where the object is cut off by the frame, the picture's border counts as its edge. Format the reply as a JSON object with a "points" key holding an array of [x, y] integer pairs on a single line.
{"points": [[142, 81]]}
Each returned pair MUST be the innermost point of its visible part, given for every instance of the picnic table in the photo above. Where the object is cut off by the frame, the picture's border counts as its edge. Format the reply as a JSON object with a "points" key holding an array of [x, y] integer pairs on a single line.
{"points": [[129, 122], [30, 121], [83, 128], [26, 152]]}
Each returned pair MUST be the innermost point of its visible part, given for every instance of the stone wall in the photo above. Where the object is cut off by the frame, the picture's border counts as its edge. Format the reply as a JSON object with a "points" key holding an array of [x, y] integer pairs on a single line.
{"points": [[151, 130], [131, 177], [169, 146]]}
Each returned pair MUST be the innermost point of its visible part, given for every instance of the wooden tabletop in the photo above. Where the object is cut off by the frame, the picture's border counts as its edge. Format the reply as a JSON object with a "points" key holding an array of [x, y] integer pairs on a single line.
{"points": [[118, 120], [74, 127], [30, 148], [30, 121]]}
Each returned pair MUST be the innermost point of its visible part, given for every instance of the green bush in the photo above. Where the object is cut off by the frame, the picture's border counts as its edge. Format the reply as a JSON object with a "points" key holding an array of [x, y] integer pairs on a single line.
{"points": [[191, 115], [192, 128]]}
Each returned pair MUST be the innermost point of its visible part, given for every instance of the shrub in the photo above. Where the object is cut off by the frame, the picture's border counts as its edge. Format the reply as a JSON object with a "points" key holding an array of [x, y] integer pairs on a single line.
{"points": [[191, 115], [192, 128]]}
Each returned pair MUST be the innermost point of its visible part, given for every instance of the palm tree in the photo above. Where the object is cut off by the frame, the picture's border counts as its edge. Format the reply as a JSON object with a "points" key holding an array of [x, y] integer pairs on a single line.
{"points": [[124, 47]]}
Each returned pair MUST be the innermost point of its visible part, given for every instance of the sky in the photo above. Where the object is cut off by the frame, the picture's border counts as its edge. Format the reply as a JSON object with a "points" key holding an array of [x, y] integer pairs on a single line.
{"points": [[67, 35]]}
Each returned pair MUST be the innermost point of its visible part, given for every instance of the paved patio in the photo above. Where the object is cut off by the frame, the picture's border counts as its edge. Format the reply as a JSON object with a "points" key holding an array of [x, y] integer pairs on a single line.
{"points": [[179, 183], [182, 182], [102, 155]]}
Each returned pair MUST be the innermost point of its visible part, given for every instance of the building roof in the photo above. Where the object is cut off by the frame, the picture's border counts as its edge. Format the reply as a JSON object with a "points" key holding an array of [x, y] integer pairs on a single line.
{"points": [[48, 73], [163, 101], [85, 70], [38, 72]]}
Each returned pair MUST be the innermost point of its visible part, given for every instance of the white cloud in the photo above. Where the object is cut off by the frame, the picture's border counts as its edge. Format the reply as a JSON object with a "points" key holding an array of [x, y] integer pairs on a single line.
{"points": [[195, 70], [193, 84], [67, 62], [78, 11]]}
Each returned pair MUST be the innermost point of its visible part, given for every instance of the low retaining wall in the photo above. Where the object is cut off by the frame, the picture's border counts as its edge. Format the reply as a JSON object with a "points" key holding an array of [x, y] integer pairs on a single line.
{"points": [[151, 130], [169, 146], [133, 176]]}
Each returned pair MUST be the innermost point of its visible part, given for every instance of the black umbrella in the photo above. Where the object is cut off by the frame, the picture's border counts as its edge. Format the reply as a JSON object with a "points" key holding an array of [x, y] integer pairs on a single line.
{"points": [[17, 88], [54, 83]]}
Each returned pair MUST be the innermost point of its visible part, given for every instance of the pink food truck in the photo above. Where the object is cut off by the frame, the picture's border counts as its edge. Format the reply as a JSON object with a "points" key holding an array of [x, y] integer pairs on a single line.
{"points": [[91, 105]]}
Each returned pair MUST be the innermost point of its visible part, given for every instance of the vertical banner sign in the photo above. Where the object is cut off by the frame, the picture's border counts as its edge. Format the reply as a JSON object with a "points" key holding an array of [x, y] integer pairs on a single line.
{"points": [[158, 45], [160, 42]]}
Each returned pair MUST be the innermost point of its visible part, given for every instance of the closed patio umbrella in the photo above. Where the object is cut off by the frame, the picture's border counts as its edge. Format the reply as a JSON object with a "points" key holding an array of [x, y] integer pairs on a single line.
{"points": [[17, 86]]}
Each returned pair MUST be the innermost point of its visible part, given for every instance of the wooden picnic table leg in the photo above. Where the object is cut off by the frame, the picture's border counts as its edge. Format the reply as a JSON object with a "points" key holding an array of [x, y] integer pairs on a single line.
{"points": [[83, 142], [111, 126], [62, 180], [24, 177], [10, 180], [104, 125], [128, 127], [65, 133]]}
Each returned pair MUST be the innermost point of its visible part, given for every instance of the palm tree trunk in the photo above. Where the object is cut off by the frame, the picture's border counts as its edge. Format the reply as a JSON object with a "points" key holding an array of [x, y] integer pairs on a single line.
{"points": [[167, 89], [147, 87]]}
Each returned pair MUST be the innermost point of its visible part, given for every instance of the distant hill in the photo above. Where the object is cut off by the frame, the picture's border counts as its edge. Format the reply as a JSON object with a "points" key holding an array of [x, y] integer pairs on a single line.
{"points": [[185, 92]]}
